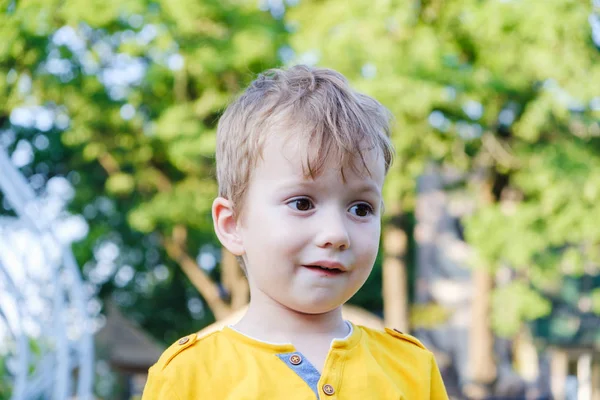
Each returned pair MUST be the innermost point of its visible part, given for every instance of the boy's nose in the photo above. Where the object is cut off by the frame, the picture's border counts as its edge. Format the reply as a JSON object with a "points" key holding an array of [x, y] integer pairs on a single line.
{"points": [[333, 233]]}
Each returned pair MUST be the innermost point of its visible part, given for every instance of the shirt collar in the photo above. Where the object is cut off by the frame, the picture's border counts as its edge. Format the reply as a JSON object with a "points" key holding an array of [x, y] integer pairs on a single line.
{"points": [[346, 342]]}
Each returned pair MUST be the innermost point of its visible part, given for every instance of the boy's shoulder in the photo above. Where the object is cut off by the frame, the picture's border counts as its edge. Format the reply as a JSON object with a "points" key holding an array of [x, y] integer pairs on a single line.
{"points": [[405, 337], [182, 365], [394, 337], [182, 346]]}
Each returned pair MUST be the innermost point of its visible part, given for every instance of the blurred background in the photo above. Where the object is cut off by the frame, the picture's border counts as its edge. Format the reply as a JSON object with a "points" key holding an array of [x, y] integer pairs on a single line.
{"points": [[491, 242]]}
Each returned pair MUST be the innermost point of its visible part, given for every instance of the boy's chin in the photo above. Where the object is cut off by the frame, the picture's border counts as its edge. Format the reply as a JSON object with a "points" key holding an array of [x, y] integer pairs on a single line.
{"points": [[315, 309]]}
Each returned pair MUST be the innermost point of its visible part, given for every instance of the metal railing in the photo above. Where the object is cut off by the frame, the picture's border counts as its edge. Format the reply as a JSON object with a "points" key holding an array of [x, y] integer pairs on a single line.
{"points": [[63, 364]]}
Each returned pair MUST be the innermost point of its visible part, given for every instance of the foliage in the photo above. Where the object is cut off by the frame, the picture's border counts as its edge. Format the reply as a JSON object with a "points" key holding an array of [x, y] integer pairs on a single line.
{"points": [[122, 99], [428, 316], [514, 303], [500, 90], [5, 386], [596, 301]]}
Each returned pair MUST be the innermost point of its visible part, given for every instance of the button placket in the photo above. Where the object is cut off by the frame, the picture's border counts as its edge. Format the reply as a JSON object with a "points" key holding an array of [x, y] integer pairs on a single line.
{"points": [[331, 374]]}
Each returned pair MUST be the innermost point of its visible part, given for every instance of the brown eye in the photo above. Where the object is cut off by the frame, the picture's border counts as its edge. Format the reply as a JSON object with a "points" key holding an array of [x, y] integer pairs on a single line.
{"points": [[361, 210], [301, 204]]}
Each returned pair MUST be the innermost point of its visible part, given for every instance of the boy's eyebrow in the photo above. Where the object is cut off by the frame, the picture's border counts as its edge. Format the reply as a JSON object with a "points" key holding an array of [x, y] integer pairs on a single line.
{"points": [[365, 187], [368, 187]]}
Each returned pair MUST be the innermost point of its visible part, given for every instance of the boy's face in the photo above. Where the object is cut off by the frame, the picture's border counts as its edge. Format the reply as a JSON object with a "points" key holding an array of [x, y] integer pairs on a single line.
{"points": [[290, 224]]}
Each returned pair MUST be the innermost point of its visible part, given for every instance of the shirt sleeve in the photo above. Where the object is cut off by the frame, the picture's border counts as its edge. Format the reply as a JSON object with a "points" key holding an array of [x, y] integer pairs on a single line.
{"points": [[158, 388], [437, 390]]}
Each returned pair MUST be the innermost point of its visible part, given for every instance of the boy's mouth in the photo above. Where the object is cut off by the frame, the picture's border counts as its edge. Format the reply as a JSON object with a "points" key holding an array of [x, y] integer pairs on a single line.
{"points": [[323, 270], [327, 268]]}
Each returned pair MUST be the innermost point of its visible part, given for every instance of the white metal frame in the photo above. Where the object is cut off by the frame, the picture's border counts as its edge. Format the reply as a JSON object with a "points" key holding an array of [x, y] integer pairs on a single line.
{"points": [[53, 375]]}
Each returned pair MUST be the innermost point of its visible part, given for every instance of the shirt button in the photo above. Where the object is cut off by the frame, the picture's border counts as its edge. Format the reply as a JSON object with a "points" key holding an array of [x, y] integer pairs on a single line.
{"points": [[328, 389], [183, 341], [295, 359]]}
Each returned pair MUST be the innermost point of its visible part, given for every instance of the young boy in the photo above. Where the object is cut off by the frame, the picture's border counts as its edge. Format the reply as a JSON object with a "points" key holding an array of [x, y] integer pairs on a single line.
{"points": [[301, 160]]}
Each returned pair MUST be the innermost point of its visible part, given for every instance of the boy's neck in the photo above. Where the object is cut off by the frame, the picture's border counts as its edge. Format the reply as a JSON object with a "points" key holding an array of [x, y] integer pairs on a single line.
{"points": [[273, 322]]}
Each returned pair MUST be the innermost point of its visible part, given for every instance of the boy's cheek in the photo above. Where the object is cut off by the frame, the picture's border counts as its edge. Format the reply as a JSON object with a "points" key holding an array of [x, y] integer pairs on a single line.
{"points": [[372, 240], [373, 228]]}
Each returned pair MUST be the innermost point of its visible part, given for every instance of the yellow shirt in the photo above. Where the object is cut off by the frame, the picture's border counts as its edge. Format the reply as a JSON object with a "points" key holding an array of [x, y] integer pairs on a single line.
{"points": [[226, 364]]}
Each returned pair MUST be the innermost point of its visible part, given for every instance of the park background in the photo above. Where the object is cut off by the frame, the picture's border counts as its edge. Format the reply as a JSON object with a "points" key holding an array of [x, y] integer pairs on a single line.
{"points": [[491, 238]]}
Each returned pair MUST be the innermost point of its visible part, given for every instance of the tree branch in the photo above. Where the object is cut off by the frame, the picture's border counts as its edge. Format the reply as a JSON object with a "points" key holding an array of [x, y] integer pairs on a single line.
{"points": [[207, 288], [175, 249], [499, 152]]}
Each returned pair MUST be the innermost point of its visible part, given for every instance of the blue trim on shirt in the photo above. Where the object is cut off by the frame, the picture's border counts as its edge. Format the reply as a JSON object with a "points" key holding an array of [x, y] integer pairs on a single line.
{"points": [[304, 370]]}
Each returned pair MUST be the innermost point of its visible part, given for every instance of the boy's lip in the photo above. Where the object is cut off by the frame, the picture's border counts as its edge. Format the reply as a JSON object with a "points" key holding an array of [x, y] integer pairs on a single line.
{"points": [[334, 265]]}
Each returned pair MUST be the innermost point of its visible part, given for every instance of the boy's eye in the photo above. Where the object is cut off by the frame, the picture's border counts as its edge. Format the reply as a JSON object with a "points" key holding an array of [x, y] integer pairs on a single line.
{"points": [[361, 210], [301, 204]]}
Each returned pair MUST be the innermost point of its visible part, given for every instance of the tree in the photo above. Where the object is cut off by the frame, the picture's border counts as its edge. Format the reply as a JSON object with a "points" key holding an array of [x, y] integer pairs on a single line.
{"points": [[123, 99]]}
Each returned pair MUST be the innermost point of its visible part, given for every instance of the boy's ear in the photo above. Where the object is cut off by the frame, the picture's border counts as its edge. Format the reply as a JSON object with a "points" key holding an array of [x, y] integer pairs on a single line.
{"points": [[226, 226]]}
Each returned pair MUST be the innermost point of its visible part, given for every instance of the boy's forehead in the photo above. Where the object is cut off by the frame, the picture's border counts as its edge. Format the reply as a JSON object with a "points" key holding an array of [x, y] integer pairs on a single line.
{"points": [[300, 157]]}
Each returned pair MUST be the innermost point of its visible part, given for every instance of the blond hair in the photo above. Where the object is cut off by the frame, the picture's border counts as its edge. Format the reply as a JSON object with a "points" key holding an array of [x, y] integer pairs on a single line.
{"points": [[315, 103]]}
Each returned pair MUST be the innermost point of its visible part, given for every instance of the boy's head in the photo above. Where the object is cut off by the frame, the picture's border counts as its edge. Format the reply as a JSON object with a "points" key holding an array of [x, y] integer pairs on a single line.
{"points": [[301, 159], [316, 106]]}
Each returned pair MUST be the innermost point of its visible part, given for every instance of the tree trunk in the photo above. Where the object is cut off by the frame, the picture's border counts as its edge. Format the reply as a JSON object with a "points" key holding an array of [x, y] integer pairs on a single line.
{"points": [[559, 369], [596, 380], [395, 278], [482, 364], [234, 280], [526, 357], [481, 339]]}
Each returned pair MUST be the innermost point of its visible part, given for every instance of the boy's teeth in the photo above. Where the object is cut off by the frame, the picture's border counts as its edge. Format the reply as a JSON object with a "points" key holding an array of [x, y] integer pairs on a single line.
{"points": [[325, 268], [322, 267]]}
